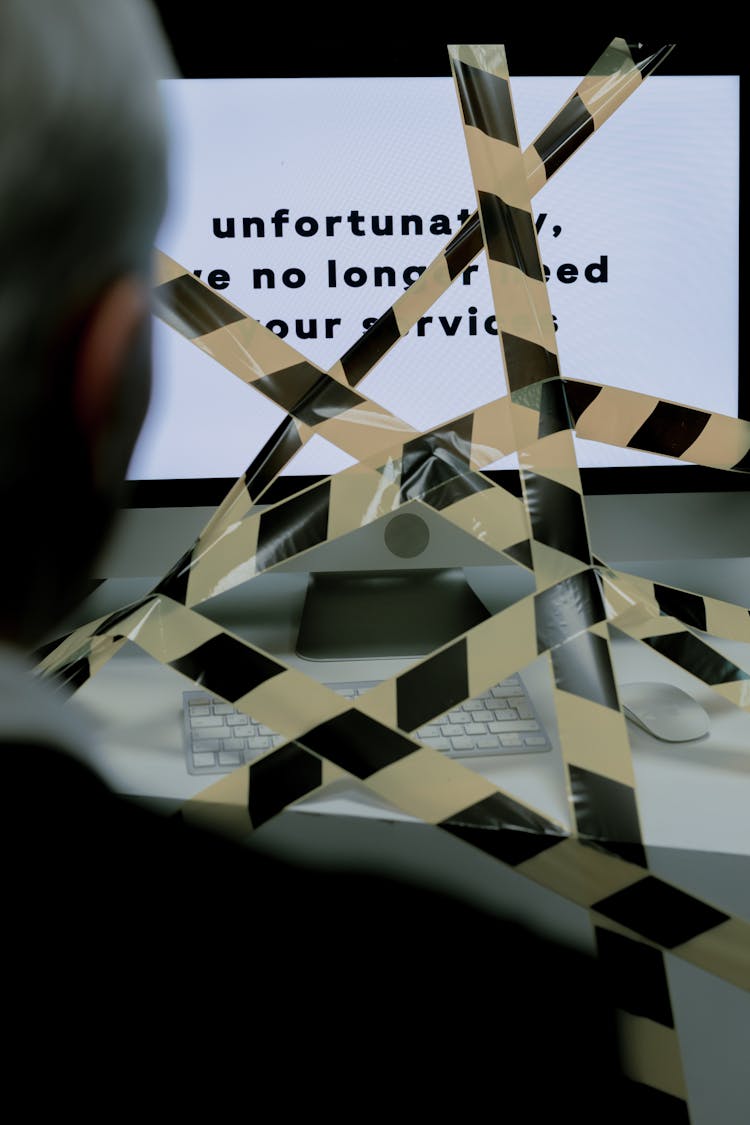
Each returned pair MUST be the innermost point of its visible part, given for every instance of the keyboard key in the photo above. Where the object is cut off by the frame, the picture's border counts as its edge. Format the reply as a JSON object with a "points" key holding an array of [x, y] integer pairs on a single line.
{"points": [[439, 743], [209, 731], [511, 740], [236, 745], [258, 742], [227, 759], [201, 760], [474, 728]]}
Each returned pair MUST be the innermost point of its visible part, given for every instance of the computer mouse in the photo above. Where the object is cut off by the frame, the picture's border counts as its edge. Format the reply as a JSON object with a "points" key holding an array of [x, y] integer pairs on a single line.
{"points": [[665, 711]]}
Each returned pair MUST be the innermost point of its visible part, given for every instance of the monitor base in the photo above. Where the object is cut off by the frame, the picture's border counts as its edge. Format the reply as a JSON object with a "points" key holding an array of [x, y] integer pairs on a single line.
{"points": [[380, 614]]}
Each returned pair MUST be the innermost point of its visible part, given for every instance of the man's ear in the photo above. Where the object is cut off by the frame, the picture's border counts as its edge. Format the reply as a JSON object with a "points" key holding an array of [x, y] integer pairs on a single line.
{"points": [[101, 362]]}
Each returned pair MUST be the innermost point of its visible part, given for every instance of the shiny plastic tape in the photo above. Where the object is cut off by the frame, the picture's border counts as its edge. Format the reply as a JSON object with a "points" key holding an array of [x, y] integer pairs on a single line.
{"points": [[601, 865]]}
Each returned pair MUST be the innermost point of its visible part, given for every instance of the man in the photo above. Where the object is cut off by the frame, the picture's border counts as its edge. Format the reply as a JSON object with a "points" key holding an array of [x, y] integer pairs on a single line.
{"points": [[131, 940]]}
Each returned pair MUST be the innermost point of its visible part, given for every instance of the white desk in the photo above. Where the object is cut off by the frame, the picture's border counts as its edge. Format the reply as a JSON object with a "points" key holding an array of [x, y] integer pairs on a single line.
{"points": [[692, 795]]}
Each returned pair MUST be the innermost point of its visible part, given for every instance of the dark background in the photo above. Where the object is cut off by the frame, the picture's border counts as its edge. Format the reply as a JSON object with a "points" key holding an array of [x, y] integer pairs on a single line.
{"points": [[246, 41]]}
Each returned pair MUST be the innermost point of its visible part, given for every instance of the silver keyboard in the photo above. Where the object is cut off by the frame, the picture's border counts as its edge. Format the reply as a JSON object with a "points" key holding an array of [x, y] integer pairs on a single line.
{"points": [[502, 721]]}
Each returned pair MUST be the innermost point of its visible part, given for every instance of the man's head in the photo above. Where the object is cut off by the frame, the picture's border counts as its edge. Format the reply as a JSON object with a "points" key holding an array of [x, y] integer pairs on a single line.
{"points": [[82, 190]]}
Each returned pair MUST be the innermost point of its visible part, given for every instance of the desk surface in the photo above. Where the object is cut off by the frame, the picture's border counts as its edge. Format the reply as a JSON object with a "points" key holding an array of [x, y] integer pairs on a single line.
{"points": [[691, 795], [693, 800]]}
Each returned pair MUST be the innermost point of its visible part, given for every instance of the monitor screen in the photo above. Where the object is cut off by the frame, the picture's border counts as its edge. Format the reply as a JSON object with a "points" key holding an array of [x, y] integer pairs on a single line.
{"points": [[312, 202]]}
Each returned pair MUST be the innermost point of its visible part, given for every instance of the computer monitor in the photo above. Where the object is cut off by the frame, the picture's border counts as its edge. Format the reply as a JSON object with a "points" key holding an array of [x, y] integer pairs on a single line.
{"points": [[311, 195]]}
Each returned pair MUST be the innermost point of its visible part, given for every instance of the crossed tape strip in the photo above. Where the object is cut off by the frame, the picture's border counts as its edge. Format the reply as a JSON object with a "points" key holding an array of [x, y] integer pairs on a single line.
{"points": [[197, 311], [586, 688], [353, 498], [476, 439], [612, 79], [440, 468], [396, 770], [620, 908], [253, 542], [723, 443], [208, 314], [568, 565]]}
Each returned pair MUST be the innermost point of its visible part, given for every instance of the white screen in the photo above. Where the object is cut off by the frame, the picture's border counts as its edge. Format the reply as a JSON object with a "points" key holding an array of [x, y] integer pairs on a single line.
{"points": [[652, 198]]}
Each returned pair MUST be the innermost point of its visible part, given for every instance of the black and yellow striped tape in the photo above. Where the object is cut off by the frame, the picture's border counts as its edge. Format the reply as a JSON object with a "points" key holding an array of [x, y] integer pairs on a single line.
{"points": [[601, 865]]}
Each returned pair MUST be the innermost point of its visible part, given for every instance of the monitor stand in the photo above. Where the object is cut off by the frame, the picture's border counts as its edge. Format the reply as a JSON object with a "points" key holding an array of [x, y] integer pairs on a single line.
{"points": [[389, 613]]}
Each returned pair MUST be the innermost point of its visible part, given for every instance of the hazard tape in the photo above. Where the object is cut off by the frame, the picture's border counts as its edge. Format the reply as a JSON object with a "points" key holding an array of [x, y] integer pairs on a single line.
{"points": [[634, 420], [590, 720], [727, 451], [668, 620], [566, 617], [201, 319], [633, 913], [207, 317], [615, 75], [278, 370], [594, 740], [355, 496], [553, 495], [195, 310], [636, 980], [350, 740]]}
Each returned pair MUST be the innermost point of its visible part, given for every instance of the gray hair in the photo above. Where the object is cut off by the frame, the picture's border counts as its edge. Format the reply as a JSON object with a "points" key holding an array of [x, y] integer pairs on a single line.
{"points": [[83, 170], [82, 158]]}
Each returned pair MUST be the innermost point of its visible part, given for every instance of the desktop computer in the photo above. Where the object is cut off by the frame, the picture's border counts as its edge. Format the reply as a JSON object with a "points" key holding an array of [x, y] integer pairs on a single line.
{"points": [[316, 249]]}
